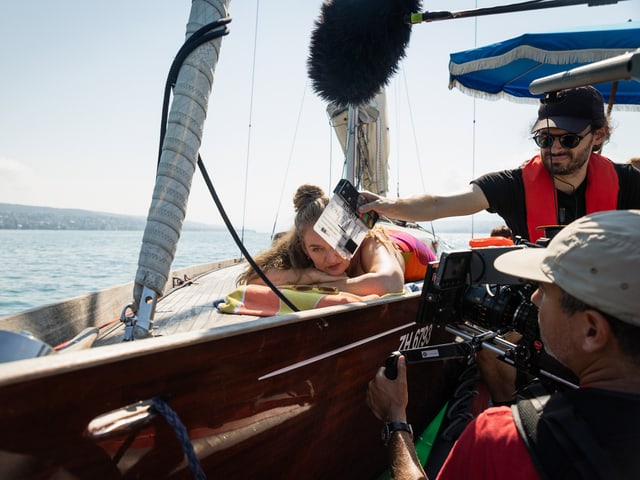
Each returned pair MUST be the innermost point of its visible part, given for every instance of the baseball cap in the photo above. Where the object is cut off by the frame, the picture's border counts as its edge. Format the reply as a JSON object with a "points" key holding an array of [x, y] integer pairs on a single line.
{"points": [[595, 258], [571, 110]]}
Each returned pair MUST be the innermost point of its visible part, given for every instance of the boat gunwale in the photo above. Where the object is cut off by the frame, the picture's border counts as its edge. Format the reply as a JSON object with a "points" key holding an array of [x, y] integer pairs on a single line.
{"points": [[39, 367]]}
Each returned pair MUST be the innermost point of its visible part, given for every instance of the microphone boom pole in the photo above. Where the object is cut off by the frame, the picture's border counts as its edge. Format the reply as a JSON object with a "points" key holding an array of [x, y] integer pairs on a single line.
{"points": [[516, 7]]}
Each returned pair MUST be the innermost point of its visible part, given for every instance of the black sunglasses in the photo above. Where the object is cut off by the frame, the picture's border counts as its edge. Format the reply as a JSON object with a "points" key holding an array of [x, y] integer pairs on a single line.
{"points": [[568, 140]]}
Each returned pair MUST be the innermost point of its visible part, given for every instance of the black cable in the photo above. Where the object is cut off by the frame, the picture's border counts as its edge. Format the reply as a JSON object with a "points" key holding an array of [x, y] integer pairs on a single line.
{"points": [[237, 239], [199, 37], [202, 35]]}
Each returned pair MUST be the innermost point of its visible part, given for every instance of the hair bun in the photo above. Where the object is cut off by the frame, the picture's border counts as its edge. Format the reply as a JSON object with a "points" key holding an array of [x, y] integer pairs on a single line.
{"points": [[306, 195]]}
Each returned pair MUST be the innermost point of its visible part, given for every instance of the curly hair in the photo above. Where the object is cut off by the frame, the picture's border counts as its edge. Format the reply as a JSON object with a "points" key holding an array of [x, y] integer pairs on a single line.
{"points": [[595, 125]]}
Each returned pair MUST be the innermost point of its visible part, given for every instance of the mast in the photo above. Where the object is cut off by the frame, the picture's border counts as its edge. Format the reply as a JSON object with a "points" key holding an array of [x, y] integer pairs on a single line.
{"points": [[363, 132], [178, 160], [351, 148]]}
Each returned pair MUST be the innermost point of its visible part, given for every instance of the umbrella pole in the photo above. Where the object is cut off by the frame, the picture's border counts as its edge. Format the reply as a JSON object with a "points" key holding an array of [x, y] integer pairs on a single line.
{"points": [[612, 97]]}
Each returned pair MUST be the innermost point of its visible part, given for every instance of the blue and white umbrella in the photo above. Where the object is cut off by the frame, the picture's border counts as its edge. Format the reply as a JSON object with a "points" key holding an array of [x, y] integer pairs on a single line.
{"points": [[505, 69]]}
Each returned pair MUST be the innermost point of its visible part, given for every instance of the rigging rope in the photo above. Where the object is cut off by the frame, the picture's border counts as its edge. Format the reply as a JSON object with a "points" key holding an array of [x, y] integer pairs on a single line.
{"points": [[413, 130], [160, 406], [436, 239], [286, 171], [251, 95]]}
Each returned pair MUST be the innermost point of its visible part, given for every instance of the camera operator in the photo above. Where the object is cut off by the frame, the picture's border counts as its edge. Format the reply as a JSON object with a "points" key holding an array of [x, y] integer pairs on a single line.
{"points": [[589, 315]]}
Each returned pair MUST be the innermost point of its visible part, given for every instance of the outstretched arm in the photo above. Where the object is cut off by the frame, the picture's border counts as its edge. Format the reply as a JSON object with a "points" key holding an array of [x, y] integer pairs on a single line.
{"points": [[426, 207]]}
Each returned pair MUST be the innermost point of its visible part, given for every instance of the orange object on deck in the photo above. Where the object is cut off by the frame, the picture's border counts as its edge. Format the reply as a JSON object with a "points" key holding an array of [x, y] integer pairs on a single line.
{"points": [[490, 242]]}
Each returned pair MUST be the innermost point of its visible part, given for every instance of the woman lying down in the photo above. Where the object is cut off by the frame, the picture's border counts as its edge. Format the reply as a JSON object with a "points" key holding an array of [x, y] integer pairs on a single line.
{"points": [[385, 260]]}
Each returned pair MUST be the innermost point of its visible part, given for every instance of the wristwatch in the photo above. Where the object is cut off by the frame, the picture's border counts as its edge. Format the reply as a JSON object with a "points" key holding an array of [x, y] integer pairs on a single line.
{"points": [[389, 428]]}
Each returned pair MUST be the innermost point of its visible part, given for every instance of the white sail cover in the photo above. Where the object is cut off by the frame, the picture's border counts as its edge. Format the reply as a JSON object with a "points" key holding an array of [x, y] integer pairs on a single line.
{"points": [[372, 138], [179, 155]]}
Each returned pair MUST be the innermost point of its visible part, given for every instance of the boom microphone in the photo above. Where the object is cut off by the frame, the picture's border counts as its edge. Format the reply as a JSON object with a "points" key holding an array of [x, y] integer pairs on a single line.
{"points": [[356, 47], [357, 44]]}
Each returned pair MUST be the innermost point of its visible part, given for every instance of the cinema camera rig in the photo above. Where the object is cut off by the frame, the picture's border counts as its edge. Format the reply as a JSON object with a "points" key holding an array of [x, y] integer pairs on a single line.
{"points": [[466, 295]]}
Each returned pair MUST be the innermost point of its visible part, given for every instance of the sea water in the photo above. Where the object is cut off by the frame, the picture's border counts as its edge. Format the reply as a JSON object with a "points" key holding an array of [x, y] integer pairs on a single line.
{"points": [[40, 267]]}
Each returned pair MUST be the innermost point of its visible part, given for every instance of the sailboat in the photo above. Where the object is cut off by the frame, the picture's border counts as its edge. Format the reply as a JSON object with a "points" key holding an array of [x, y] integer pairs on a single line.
{"points": [[193, 392], [150, 380]]}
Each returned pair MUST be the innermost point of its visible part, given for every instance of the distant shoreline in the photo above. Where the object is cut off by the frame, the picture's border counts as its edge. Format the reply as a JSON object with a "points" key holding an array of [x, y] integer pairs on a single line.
{"points": [[26, 217]]}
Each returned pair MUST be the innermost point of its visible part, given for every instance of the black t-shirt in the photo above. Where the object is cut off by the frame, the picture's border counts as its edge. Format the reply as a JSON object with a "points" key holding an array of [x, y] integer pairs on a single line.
{"points": [[505, 192]]}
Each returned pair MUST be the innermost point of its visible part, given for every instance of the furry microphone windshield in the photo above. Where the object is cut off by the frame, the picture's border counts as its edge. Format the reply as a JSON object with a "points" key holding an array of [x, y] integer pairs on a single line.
{"points": [[356, 47]]}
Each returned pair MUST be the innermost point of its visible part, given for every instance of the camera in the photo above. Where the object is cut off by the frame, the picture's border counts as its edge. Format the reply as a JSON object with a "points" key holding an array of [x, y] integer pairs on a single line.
{"points": [[464, 286], [464, 293]]}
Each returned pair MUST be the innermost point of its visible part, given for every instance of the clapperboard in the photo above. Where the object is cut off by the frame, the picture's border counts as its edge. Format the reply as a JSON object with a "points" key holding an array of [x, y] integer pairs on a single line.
{"points": [[340, 225]]}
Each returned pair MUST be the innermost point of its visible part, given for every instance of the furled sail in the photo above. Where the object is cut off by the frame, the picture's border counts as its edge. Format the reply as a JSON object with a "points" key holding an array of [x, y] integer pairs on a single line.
{"points": [[178, 160], [371, 169]]}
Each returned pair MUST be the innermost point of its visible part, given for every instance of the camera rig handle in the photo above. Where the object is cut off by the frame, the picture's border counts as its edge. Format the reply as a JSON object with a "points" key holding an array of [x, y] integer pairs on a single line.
{"points": [[475, 339], [436, 352], [517, 356]]}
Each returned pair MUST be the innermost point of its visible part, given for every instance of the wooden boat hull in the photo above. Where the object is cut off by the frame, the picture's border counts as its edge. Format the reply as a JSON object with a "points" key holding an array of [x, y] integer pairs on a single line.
{"points": [[280, 397]]}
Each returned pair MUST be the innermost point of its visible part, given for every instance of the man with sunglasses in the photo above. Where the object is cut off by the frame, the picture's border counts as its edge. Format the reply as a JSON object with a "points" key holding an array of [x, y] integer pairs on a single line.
{"points": [[589, 317], [565, 181]]}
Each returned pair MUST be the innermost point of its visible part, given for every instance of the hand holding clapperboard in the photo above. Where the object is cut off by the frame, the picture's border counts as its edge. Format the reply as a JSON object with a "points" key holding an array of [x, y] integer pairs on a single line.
{"points": [[340, 225]]}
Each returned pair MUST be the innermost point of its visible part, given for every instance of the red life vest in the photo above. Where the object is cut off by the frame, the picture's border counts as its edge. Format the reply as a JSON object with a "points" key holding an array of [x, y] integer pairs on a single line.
{"points": [[601, 194]]}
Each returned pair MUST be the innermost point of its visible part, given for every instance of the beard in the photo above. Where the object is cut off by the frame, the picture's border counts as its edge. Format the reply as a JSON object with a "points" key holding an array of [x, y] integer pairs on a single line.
{"points": [[576, 160]]}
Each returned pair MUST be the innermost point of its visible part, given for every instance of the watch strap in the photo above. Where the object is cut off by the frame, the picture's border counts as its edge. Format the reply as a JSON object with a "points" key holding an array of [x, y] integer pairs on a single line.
{"points": [[390, 427]]}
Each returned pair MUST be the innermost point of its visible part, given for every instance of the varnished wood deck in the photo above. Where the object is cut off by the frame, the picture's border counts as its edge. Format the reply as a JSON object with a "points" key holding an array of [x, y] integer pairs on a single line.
{"points": [[190, 307], [186, 308]]}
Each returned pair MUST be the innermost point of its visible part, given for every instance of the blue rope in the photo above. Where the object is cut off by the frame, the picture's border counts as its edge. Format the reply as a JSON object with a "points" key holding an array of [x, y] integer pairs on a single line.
{"points": [[181, 432]]}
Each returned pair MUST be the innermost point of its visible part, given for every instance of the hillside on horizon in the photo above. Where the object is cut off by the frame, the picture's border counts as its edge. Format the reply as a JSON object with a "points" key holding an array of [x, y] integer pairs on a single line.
{"points": [[27, 217]]}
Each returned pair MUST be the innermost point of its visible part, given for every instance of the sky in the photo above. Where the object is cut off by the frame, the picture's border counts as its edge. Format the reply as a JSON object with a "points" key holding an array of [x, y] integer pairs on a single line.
{"points": [[81, 98]]}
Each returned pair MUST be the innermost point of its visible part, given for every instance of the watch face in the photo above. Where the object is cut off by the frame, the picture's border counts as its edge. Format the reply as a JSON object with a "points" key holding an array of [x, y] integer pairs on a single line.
{"points": [[385, 434]]}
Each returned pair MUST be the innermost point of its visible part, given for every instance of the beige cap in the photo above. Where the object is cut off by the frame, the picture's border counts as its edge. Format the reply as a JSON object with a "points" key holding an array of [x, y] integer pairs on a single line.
{"points": [[595, 258]]}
